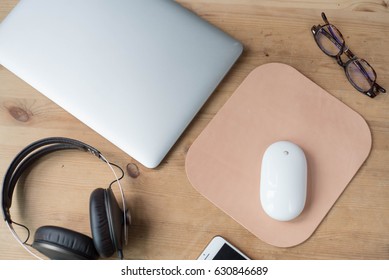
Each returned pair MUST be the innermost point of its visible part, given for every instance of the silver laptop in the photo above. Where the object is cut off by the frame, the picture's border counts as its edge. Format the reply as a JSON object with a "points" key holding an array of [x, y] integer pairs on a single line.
{"points": [[134, 71]]}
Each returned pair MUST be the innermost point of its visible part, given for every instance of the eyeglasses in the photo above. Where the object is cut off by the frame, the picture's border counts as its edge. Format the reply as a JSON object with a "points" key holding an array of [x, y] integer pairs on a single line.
{"points": [[358, 71]]}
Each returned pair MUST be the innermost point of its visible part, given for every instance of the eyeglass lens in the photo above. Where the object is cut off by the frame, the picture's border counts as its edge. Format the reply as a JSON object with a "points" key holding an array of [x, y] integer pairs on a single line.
{"points": [[330, 40], [361, 74]]}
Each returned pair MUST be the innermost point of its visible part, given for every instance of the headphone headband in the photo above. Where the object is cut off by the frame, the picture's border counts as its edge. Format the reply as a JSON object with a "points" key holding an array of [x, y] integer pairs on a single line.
{"points": [[28, 156]]}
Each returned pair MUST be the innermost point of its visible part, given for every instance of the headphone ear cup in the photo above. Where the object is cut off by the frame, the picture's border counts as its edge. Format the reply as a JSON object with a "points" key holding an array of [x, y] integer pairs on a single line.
{"points": [[106, 222], [64, 244]]}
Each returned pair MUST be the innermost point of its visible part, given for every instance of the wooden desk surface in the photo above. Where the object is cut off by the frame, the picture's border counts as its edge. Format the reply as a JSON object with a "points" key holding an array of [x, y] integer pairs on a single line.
{"points": [[171, 220]]}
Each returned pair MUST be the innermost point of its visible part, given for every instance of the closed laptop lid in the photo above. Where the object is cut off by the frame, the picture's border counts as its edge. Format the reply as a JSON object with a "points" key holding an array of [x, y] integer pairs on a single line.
{"points": [[134, 71]]}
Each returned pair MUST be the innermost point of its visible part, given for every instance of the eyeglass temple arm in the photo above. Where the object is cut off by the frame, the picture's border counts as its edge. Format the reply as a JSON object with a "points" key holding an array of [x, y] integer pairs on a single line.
{"points": [[379, 88], [323, 15], [315, 28]]}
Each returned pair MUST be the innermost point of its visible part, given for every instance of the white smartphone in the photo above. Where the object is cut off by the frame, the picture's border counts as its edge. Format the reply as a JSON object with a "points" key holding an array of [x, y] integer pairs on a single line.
{"points": [[221, 249]]}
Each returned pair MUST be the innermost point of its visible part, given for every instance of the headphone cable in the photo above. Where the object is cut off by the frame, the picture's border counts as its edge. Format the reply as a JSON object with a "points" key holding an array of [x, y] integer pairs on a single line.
{"points": [[121, 177], [26, 228]]}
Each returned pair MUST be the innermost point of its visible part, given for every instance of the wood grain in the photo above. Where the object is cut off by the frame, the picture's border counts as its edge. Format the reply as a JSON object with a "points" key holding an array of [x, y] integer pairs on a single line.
{"points": [[170, 219]]}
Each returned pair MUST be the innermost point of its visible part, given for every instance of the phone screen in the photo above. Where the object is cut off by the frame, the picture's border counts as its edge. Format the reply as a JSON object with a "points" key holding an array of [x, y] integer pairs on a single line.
{"points": [[221, 249], [227, 253]]}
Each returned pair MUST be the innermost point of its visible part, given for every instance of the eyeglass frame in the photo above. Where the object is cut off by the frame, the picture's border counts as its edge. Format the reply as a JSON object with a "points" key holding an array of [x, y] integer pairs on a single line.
{"points": [[375, 88]]}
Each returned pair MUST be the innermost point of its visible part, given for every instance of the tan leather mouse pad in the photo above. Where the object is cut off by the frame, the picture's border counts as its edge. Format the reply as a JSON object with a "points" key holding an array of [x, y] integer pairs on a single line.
{"points": [[276, 102]]}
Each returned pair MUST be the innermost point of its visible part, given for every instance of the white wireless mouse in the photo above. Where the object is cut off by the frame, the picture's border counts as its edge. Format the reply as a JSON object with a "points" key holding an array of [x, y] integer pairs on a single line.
{"points": [[283, 186]]}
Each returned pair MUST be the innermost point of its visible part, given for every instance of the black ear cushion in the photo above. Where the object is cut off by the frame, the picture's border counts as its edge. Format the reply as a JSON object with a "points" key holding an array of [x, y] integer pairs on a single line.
{"points": [[100, 227], [64, 244]]}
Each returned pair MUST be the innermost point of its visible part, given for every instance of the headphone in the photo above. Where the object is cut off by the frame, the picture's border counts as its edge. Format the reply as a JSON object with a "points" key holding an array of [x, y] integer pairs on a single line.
{"points": [[108, 222]]}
